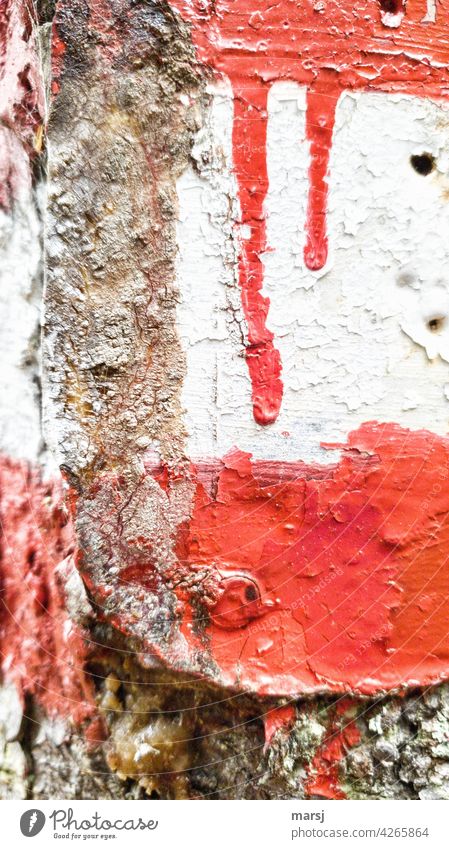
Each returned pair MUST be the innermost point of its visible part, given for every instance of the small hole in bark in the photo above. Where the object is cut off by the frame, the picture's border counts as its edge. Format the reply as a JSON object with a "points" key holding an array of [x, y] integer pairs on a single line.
{"points": [[250, 593], [436, 323], [423, 163], [391, 7]]}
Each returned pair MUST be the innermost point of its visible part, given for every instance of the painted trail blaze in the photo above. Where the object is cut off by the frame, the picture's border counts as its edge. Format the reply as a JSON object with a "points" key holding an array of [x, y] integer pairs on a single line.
{"points": [[278, 577]]}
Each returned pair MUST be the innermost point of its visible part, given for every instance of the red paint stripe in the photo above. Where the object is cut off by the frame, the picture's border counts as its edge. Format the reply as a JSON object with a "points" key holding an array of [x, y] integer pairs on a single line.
{"points": [[351, 566], [41, 649], [298, 579]]}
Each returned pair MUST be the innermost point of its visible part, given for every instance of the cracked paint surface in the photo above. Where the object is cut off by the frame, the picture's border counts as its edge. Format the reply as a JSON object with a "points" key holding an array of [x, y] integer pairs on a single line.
{"points": [[329, 48]]}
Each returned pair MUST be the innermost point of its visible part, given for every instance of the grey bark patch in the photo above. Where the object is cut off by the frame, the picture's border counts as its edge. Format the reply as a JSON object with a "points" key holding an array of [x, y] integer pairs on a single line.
{"points": [[120, 133]]}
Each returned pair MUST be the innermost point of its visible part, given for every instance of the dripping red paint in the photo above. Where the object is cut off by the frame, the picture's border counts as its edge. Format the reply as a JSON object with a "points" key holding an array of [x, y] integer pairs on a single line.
{"points": [[329, 48]]}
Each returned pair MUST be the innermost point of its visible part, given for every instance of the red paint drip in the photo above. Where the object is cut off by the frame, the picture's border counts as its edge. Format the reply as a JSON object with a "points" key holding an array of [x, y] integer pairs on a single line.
{"points": [[371, 46], [324, 773], [249, 142], [42, 651], [320, 117]]}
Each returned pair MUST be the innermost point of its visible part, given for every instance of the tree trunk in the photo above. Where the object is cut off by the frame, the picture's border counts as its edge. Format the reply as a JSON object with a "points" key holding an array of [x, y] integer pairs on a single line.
{"points": [[107, 142]]}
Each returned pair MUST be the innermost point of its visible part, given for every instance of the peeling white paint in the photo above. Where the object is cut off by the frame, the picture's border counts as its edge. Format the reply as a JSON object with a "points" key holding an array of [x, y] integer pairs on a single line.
{"points": [[431, 13], [355, 339], [392, 19], [20, 257]]}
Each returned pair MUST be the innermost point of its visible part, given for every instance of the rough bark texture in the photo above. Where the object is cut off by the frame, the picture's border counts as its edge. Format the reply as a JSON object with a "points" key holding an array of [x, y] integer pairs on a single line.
{"points": [[128, 99]]}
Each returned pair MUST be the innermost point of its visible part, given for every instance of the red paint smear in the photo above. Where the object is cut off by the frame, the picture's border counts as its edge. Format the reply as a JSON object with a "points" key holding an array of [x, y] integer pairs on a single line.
{"points": [[324, 773], [106, 24], [344, 46], [42, 651]]}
